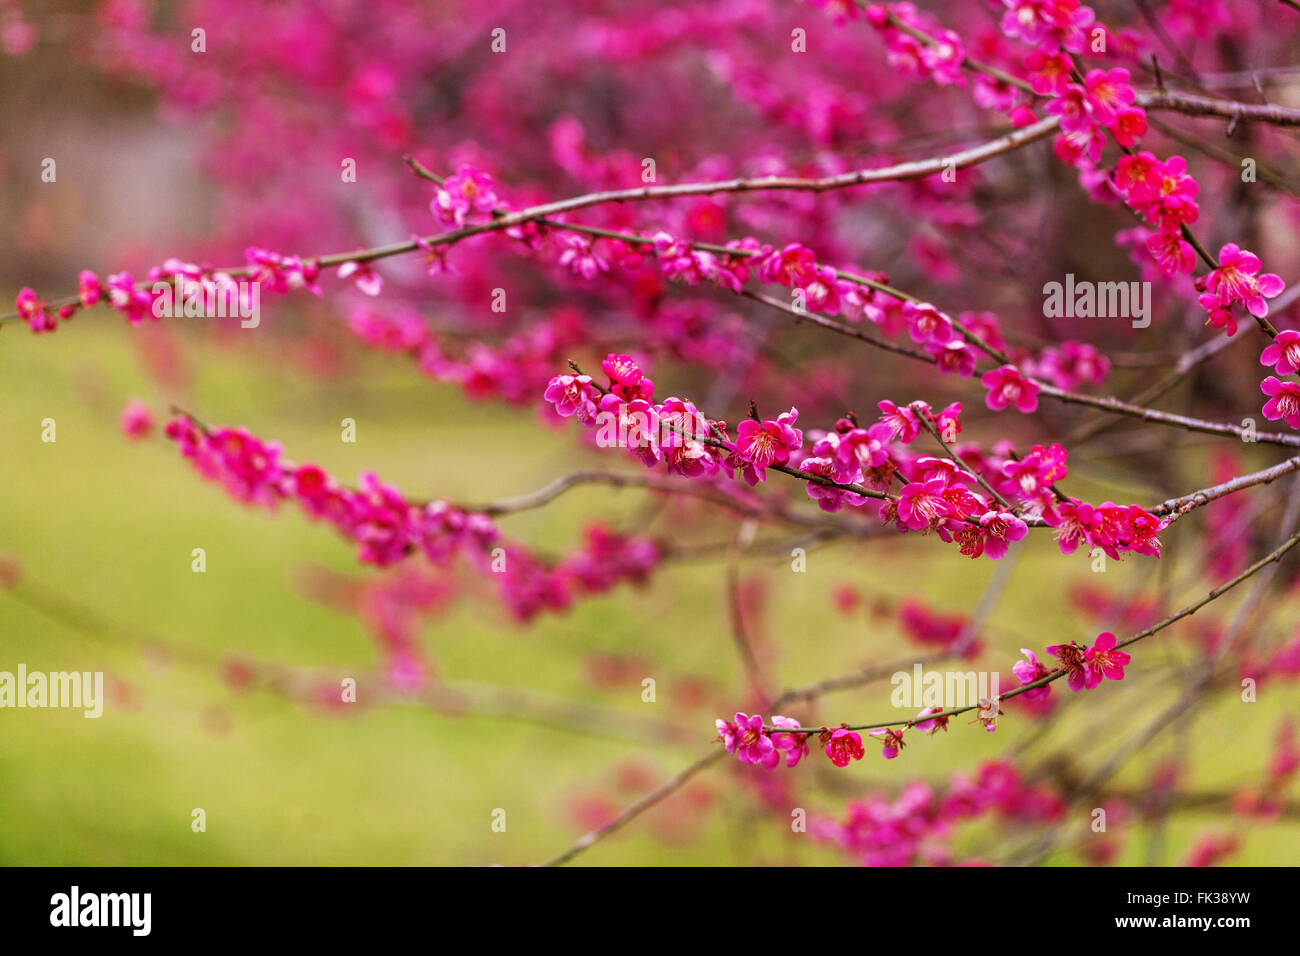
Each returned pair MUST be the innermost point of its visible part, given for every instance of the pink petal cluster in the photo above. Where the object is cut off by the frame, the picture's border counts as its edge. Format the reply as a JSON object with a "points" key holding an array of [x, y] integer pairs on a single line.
{"points": [[753, 743], [915, 827], [387, 528]]}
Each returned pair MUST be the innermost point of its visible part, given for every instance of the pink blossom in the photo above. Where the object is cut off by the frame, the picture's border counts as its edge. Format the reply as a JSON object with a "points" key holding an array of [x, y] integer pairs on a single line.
{"points": [[930, 726], [1030, 670], [891, 741], [828, 497], [1139, 176], [1073, 661], [901, 420], [1000, 529], [580, 258], [469, 190], [843, 745], [793, 266], [769, 442], [926, 323], [573, 395], [1285, 400], [921, 505], [1109, 94], [795, 746], [1237, 279], [862, 448], [88, 288], [954, 357], [366, 279], [750, 741], [33, 310], [1172, 203], [137, 420], [1103, 661], [1007, 386], [1172, 253], [1284, 353], [1221, 316]]}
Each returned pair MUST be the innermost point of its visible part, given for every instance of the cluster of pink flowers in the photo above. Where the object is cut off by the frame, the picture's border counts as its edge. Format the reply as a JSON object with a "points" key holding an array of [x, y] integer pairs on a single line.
{"points": [[755, 743], [1084, 667], [1236, 281], [939, 495], [940, 62], [393, 607], [673, 431], [934, 629], [942, 497], [608, 558], [387, 528], [915, 827], [512, 370], [384, 525], [1053, 26], [277, 273], [1103, 102], [752, 743], [1113, 528], [34, 310], [1071, 364]]}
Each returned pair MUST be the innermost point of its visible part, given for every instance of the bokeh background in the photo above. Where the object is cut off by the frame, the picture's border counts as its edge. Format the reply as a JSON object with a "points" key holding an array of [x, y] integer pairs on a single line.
{"points": [[214, 678]]}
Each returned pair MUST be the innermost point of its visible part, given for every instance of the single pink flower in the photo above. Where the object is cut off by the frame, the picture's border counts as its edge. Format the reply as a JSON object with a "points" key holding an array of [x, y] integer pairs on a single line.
{"points": [[1000, 529], [921, 505], [891, 741], [1285, 400], [1030, 670], [1072, 659], [843, 745], [1284, 353], [137, 420], [1007, 386], [769, 442], [1237, 279], [1104, 661], [573, 395], [933, 725]]}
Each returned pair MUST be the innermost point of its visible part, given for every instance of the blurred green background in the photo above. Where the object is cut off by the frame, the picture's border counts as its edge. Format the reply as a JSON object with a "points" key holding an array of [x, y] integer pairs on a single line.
{"points": [[110, 525]]}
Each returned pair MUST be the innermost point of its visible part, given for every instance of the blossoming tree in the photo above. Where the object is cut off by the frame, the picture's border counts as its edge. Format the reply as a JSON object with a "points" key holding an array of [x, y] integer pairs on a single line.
{"points": [[830, 225]]}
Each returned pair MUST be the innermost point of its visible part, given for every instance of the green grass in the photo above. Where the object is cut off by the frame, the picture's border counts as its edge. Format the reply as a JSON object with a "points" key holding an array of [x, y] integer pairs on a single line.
{"points": [[111, 525]]}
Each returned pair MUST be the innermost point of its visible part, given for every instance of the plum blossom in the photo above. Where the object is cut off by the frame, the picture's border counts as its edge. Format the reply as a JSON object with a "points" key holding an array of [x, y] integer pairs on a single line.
{"points": [[1237, 279], [770, 442], [891, 741], [1103, 661], [137, 420], [843, 745], [573, 395], [1284, 353], [1028, 671], [1284, 401], [1007, 386], [468, 191]]}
